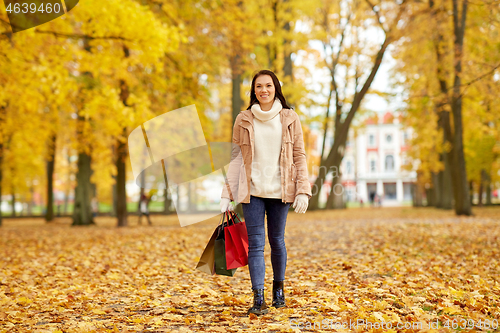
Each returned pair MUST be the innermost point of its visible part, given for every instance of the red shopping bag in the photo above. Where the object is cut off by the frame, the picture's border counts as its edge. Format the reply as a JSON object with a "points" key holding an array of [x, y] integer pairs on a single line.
{"points": [[236, 242]]}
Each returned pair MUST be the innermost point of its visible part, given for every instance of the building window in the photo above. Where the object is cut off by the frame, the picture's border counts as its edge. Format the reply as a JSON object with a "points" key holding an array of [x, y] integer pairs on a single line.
{"points": [[372, 166], [371, 140], [390, 191], [388, 138], [348, 167], [389, 163]]}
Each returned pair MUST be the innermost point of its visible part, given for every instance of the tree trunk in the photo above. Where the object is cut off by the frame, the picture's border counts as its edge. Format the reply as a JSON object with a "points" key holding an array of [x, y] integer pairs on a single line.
{"points": [[488, 193], [485, 187], [447, 184], [1, 175], [194, 196], [121, 194], [417, 195], [236, 102], [471, 192], [448, 174], [3, 112], [462, 200], [436, 185], [481, 190], [167, 202], [236, 105], [121, 156], [431, 197], [82, 210], [115, 199], [287, 45], [141, 191], [342, 129], [325, 124], [191, 188], [189, 197], [178, 190], [49, 215], [336, 198], [273, 49], [13, 202], [30, 203], [167, 196], [68, 182]]}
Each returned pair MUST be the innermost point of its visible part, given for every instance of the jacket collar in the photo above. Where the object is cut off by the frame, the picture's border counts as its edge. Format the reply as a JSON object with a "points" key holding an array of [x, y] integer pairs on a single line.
{"points": [[285, 116]]}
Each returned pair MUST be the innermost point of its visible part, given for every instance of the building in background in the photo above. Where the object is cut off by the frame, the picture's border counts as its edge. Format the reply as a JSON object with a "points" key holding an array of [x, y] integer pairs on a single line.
{"points": [[372, 164]]}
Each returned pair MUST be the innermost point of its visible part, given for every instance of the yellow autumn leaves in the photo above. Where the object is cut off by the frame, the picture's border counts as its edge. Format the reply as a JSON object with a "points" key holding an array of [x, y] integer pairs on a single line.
{"points": [[400, 266]]}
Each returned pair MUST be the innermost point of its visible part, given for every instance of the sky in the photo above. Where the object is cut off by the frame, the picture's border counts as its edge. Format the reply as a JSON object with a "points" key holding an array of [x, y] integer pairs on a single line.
{"points": [[321, 76]]}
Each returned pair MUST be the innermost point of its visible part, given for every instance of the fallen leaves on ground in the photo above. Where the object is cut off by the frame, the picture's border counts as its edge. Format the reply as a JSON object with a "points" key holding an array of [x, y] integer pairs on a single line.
{"points": [[350, 266]]}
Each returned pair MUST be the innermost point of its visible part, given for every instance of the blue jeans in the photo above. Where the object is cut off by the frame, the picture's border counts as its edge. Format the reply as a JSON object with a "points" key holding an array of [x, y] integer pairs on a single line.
{"points": [[254, 214]]}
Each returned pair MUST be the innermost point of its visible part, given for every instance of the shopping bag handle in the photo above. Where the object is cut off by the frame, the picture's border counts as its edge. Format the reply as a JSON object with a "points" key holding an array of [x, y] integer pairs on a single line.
{"points": [[221, 219], [235, 217], [229, 219]]}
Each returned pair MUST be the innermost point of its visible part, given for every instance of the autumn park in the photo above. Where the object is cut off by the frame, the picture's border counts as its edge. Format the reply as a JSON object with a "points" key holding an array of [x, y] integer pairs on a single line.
{"points": [[117, 123]]}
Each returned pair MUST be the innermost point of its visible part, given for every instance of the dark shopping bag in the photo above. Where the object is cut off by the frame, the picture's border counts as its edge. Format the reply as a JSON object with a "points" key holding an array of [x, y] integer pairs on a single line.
{"points": [[220, 251], [207, 260], [236, 242]]}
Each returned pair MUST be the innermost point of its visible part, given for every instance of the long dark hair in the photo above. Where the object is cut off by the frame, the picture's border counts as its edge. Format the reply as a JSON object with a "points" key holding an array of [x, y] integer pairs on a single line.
{"points": [[277, 89]]}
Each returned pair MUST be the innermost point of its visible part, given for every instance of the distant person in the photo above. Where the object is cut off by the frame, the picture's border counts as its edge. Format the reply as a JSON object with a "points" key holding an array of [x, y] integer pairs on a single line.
{"points": [[379, 200], [144, 208], [361, 203], [372, 198]]}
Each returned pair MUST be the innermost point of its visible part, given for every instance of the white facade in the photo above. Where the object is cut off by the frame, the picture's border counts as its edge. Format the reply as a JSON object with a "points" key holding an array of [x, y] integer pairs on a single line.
{"points": [[372, 163]]}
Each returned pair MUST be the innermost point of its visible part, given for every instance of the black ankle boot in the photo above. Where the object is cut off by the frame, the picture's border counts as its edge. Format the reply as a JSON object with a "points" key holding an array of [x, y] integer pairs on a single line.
{"points": [[259, 302], [278, 294]]}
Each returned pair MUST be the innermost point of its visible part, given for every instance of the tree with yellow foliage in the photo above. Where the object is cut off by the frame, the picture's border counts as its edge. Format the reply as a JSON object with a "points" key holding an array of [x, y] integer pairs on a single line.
{"points": [[101, 60], [430, 64]]}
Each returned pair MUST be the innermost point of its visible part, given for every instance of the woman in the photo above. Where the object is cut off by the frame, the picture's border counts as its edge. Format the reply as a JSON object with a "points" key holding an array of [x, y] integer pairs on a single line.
{"points": [[267, 173]]}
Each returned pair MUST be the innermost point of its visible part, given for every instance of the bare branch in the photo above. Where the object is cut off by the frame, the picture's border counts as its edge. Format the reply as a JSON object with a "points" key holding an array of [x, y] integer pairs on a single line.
{"points": [[377, 13], [466, 85], [65, 35], [76, 36]]}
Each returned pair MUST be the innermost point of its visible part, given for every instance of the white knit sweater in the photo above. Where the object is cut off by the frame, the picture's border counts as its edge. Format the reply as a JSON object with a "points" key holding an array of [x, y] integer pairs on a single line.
{"points": [[265, 178]]}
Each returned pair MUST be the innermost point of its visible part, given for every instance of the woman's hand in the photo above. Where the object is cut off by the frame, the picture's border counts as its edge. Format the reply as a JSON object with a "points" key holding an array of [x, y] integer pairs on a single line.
{"points": [[300, 204], [225, 204]]}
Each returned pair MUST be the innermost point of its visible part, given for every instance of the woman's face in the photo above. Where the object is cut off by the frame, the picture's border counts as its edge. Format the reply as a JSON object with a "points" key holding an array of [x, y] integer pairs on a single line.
{"points": [[264, 89]]}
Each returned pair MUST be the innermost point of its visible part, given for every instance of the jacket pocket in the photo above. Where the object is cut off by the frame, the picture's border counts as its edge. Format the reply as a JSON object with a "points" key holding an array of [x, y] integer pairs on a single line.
{"points": [[294, 173]]}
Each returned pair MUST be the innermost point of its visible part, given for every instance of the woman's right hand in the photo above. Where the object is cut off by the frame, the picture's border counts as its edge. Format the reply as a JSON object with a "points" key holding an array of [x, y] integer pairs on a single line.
{"points": [[225, 205]]}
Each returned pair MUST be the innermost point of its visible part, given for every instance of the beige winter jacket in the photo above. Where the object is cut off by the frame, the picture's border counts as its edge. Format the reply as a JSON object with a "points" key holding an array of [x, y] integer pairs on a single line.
{"points": [[293, 166]]}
